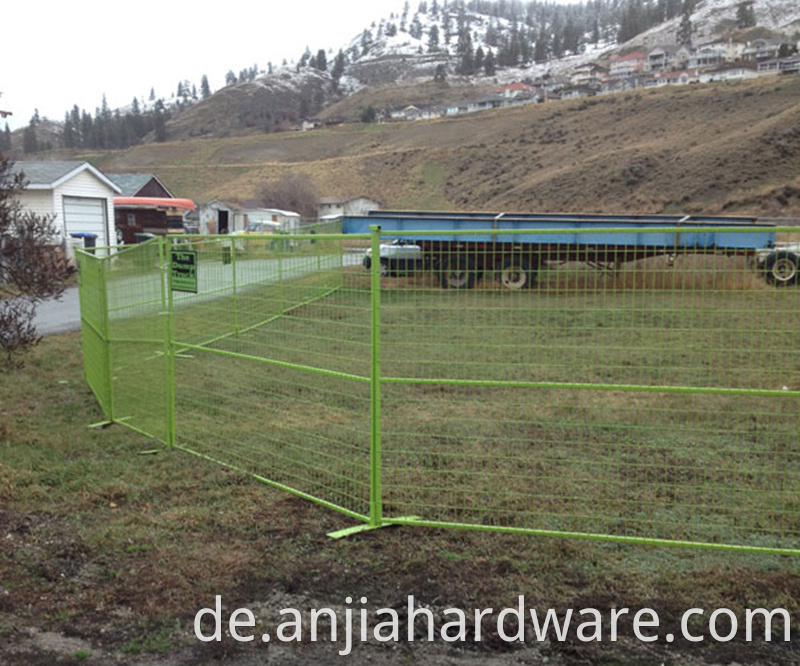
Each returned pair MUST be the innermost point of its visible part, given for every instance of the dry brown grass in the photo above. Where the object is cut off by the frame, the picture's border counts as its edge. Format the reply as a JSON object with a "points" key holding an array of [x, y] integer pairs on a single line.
{"points": [[731, 148]]}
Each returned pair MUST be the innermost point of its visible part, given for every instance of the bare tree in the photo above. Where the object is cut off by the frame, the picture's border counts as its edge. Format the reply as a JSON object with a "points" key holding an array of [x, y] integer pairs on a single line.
{"points": [[290, 192], [31, 267]]}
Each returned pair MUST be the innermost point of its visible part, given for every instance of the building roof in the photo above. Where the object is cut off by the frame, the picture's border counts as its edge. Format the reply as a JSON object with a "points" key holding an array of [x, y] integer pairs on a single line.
{"points": [[517, 85], [131, 183], [332, 201], [48, 175], [630, 56]]}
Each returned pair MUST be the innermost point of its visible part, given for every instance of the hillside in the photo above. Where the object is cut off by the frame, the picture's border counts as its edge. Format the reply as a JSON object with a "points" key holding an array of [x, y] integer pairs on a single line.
{"points": [[711, 148]]}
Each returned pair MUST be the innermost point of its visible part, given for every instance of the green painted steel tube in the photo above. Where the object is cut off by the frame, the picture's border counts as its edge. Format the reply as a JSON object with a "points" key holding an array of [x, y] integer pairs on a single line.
{"points": [[106, 326], [235, 296], [269, 361], [643, 541], [375, 493], [280, 279], [491, 383], [279, 486], [166, 280]]}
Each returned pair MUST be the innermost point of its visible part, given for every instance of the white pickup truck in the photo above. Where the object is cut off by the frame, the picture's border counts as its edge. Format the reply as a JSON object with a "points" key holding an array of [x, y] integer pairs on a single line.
{"points": [[780, 264], [399, 257]]}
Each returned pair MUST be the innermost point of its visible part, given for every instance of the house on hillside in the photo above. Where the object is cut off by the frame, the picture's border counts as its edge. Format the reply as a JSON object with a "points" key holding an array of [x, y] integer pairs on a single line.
{"points": [[513, 90], [679, 78], [729, 73], [762, 49], [790, 65], [714, 54], [623, 67], [217, 217], [666, 57], [79, 198], [485, 103], [158, 212], [358, 205], [588, 74]]}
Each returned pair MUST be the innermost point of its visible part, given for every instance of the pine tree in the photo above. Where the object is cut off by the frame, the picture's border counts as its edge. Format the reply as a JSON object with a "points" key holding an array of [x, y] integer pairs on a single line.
{"points": [[322, 61], [479, 58], [433, 39], [152, 94], [684, 34], [230, 78], [466, 56], [338, 67], [391, 30], [366, 41], [404, 17], [30, 143], [489, 66], [160, 121], [205, 89], [68, 132], [416, 28], [6, 138], [745, 14]]}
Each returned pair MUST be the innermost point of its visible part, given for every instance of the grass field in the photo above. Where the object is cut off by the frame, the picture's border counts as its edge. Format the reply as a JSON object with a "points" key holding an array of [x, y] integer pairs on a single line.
{"points": [[107, 531]]}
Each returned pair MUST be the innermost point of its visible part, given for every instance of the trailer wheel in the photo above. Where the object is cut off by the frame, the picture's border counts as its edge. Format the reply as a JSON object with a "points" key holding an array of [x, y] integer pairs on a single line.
{"points": [[517, 274], [457, 272], [782, 268]]}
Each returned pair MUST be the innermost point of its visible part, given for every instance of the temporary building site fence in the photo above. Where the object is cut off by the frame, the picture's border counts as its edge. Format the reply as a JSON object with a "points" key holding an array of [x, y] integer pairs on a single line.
{"points": [[654, 401]]}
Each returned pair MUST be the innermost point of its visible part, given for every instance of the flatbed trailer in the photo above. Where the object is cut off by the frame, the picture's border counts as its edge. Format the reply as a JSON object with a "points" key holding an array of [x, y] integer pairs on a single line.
{"points": [[461, 247]]}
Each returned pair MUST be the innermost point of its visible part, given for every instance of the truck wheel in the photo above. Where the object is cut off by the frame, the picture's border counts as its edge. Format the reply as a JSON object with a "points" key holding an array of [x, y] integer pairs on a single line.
{"points": [[383, 269], [457, 272], [517, 274], [782, 268]]}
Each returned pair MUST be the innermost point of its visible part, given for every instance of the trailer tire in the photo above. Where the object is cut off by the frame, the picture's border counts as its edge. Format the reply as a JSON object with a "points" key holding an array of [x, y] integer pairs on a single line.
{"points": [[457, 272], [517, 274], [782, 268]]}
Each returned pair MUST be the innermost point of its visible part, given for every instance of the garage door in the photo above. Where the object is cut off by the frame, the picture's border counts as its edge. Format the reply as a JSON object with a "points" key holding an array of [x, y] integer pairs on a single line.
{"points": [[83, 214]]}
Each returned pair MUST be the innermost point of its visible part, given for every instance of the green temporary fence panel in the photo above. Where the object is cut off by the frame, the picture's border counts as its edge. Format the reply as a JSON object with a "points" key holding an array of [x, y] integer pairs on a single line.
{"points": [[646, 397]]}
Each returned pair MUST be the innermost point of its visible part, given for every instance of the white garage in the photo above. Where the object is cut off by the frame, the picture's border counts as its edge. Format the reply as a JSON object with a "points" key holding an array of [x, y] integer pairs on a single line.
{"points": [[86, 215], [79, 197]]}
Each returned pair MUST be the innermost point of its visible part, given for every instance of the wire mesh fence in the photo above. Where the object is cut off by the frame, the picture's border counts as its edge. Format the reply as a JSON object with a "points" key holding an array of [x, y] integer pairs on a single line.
{"points": [[633, 387]]}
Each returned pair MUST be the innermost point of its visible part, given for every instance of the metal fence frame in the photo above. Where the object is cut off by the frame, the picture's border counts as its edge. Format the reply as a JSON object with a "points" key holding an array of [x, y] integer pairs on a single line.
{"points": [[99, 368]]}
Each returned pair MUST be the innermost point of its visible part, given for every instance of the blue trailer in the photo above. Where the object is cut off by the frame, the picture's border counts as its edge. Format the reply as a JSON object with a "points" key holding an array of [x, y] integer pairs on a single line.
{"points": [[461, 247]]}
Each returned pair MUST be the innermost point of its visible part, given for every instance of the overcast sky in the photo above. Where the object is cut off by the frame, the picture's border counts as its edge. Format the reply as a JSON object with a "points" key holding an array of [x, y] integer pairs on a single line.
{"points": [[57, 53]]}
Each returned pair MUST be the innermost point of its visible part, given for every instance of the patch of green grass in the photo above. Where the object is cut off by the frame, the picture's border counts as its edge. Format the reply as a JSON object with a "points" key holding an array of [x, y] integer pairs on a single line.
{"points": [[158, 641], [82, 654]]}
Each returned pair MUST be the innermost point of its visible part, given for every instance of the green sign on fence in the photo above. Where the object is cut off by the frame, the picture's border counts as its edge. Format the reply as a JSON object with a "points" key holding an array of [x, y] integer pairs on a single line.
{"points": [[184, 270]]}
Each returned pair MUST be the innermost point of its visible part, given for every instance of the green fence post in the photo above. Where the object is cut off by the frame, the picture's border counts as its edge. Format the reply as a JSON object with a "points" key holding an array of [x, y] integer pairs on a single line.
{"points": [[278, 246], [106, 329], [235, 296], [375, 498], [165, 264]]}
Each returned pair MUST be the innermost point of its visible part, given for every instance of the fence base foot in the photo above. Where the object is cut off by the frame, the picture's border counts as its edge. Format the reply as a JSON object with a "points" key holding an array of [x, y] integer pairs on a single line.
{"points": [[101, 424], [366, 527]]}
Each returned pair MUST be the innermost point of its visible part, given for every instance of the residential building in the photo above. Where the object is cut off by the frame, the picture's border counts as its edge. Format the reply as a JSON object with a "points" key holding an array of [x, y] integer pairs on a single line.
{"points": [[625, 66], [79, 198], [728, 73], [762, 49], [354, 205], [587, 74]]}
